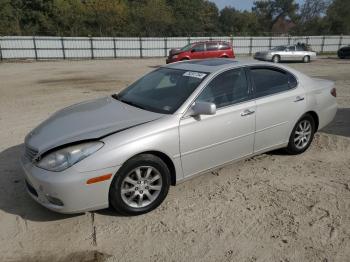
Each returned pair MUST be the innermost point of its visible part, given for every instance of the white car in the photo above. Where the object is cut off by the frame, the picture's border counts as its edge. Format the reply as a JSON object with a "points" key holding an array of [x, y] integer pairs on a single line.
{"points": [[287, 53], [178, 121]]}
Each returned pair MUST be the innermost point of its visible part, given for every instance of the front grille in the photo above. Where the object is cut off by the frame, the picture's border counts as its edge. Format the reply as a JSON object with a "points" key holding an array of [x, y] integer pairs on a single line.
{"points": [[31, 189], [30, 153]]}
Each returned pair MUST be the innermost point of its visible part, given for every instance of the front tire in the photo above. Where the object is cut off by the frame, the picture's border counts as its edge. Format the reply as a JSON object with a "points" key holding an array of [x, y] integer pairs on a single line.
{"points": [[302, 135], [140, 185], [306, 59], [276, 59]]}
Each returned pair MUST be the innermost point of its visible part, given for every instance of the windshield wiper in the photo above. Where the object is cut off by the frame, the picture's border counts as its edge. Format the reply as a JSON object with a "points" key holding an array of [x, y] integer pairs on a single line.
{"points": [[117, 97]]}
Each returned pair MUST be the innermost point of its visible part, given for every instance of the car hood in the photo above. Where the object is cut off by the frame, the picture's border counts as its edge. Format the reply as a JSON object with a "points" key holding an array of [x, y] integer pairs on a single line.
{"points": [[87, 120], [175, 51]]}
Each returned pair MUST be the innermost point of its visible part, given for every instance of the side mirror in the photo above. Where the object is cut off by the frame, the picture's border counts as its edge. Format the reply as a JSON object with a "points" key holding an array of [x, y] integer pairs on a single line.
{"points": [[193, 50], [202, 108]]}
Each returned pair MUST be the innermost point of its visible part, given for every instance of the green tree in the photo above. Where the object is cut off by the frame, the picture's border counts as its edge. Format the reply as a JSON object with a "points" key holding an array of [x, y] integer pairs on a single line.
{"points": [[69, 18], [234, 22], [268, 11], [311, 19], [150, 18], [8, 24], [106, 17], [338, 17]]}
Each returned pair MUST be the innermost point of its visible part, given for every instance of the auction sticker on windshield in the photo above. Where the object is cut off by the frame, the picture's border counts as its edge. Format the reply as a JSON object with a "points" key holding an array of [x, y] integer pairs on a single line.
{"points": [[194, 74]]}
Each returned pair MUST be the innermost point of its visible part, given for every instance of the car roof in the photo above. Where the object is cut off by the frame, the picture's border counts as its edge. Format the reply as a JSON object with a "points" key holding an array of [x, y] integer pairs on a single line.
{"points": [[210, 41], [213, 65]]}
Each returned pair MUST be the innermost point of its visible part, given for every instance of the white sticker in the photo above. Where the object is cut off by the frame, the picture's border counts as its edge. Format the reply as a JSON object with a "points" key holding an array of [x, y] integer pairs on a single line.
{"points": [[194, 74]]}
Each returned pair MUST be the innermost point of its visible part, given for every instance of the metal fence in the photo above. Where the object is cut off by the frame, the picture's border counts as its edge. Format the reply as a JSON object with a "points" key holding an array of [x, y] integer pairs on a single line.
{"points": [[29, 47]]}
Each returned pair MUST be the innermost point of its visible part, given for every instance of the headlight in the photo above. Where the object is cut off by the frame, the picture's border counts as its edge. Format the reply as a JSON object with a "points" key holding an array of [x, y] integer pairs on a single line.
{"points": [[175, 56], [63, 158]]}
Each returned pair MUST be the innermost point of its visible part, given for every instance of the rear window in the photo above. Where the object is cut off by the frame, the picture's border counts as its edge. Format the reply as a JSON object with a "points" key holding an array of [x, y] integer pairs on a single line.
{"points": [[224, 46], [212, 46], [269, 81]]}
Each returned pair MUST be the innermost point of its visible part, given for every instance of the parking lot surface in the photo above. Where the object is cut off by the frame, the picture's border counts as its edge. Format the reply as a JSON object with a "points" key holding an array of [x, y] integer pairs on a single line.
{"points": [[273, 207]]}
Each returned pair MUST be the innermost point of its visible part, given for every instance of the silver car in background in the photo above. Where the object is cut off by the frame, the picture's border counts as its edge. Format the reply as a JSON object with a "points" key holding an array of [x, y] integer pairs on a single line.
{"points": [[180, 120], [298, 52]]}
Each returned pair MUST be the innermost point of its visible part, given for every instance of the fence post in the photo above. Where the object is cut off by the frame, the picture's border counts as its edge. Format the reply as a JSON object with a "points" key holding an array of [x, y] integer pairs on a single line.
{"points": [[288, 40], [270, 42], [165, 46], [251, 46], [35, 50], [231, 40], [340, 41], [322, 46], [114, 47], [140, 44], [63, 51], [0, 52], [188, 40], [92, 48]]}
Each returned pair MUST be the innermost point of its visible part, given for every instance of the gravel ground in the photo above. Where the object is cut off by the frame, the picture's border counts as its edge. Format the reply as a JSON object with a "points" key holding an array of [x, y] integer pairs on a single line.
{"points": [[272, 207]]}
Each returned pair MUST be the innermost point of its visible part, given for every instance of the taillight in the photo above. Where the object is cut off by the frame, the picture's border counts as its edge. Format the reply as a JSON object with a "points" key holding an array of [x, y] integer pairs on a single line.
{"points": [[334, 92]]}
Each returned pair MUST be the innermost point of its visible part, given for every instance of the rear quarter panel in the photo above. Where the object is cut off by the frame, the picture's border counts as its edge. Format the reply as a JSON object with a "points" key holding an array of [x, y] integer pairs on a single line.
{"points": [[320, 100]]}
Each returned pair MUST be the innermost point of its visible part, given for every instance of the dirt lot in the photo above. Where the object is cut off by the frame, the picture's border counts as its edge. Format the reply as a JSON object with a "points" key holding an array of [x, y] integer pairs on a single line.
{"points": [[273, 207]]}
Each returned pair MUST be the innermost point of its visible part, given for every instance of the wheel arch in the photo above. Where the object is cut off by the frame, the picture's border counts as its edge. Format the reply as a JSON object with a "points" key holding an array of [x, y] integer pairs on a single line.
{"points": [[167, 160], [315, 117], [313, 114]]}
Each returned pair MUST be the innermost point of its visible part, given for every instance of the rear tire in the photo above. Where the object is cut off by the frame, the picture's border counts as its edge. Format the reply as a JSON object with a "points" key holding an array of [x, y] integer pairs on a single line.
{"points": [[140, 185], [341, 56], [276, 59], [302, 135], [306, 59]]}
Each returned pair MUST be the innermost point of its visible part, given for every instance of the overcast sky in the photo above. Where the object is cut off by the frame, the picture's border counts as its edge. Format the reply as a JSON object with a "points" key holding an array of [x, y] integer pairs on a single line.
{"points": [[240, 4]]}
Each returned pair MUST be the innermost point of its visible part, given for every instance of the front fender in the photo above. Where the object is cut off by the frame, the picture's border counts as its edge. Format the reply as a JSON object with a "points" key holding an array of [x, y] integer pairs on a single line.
{"points": [[161, 135]]}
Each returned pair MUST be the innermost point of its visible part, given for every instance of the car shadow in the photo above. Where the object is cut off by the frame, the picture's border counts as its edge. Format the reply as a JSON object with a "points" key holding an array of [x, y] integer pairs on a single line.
{"points": [[340, 125], [14, 198]]}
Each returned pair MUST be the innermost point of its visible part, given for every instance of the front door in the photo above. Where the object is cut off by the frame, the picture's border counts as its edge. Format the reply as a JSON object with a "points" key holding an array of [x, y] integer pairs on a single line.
{"points": [[208, 141]]}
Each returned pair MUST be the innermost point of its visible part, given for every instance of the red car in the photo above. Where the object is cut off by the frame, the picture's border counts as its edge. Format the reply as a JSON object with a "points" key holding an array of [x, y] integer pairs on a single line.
{"points": [[200, 50]]}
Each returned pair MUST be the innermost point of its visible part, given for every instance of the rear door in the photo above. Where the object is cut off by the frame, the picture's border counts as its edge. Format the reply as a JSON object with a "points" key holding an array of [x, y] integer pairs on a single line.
{"points": [[300, 52], [212, 50], [198, 51], [289, 53], [280, 101]]}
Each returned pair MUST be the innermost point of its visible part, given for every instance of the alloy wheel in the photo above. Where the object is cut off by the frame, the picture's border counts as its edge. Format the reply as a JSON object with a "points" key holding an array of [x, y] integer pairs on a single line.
{"points": [[302, 134], [141, 186]]}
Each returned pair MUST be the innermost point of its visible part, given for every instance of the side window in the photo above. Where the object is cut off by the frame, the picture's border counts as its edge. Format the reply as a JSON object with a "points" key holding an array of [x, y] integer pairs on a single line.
{"points": [[269, 81], [224, 46], [212, 46], [198, 48], [300, 48], [226, 89]]}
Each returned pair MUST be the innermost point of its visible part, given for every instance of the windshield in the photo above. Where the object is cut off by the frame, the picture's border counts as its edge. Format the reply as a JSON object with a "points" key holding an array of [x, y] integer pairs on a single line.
{"points": [[279, 48], [186, 47], [163, 90]]}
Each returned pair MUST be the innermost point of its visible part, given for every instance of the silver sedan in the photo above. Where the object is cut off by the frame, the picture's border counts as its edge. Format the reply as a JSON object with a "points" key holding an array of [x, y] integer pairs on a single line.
{"points": [[286, 53], [176, 122]]}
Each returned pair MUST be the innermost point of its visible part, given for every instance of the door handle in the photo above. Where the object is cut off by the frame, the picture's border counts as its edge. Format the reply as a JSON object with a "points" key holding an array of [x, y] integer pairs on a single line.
{"points": [[299, 98], [247, 112]]}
